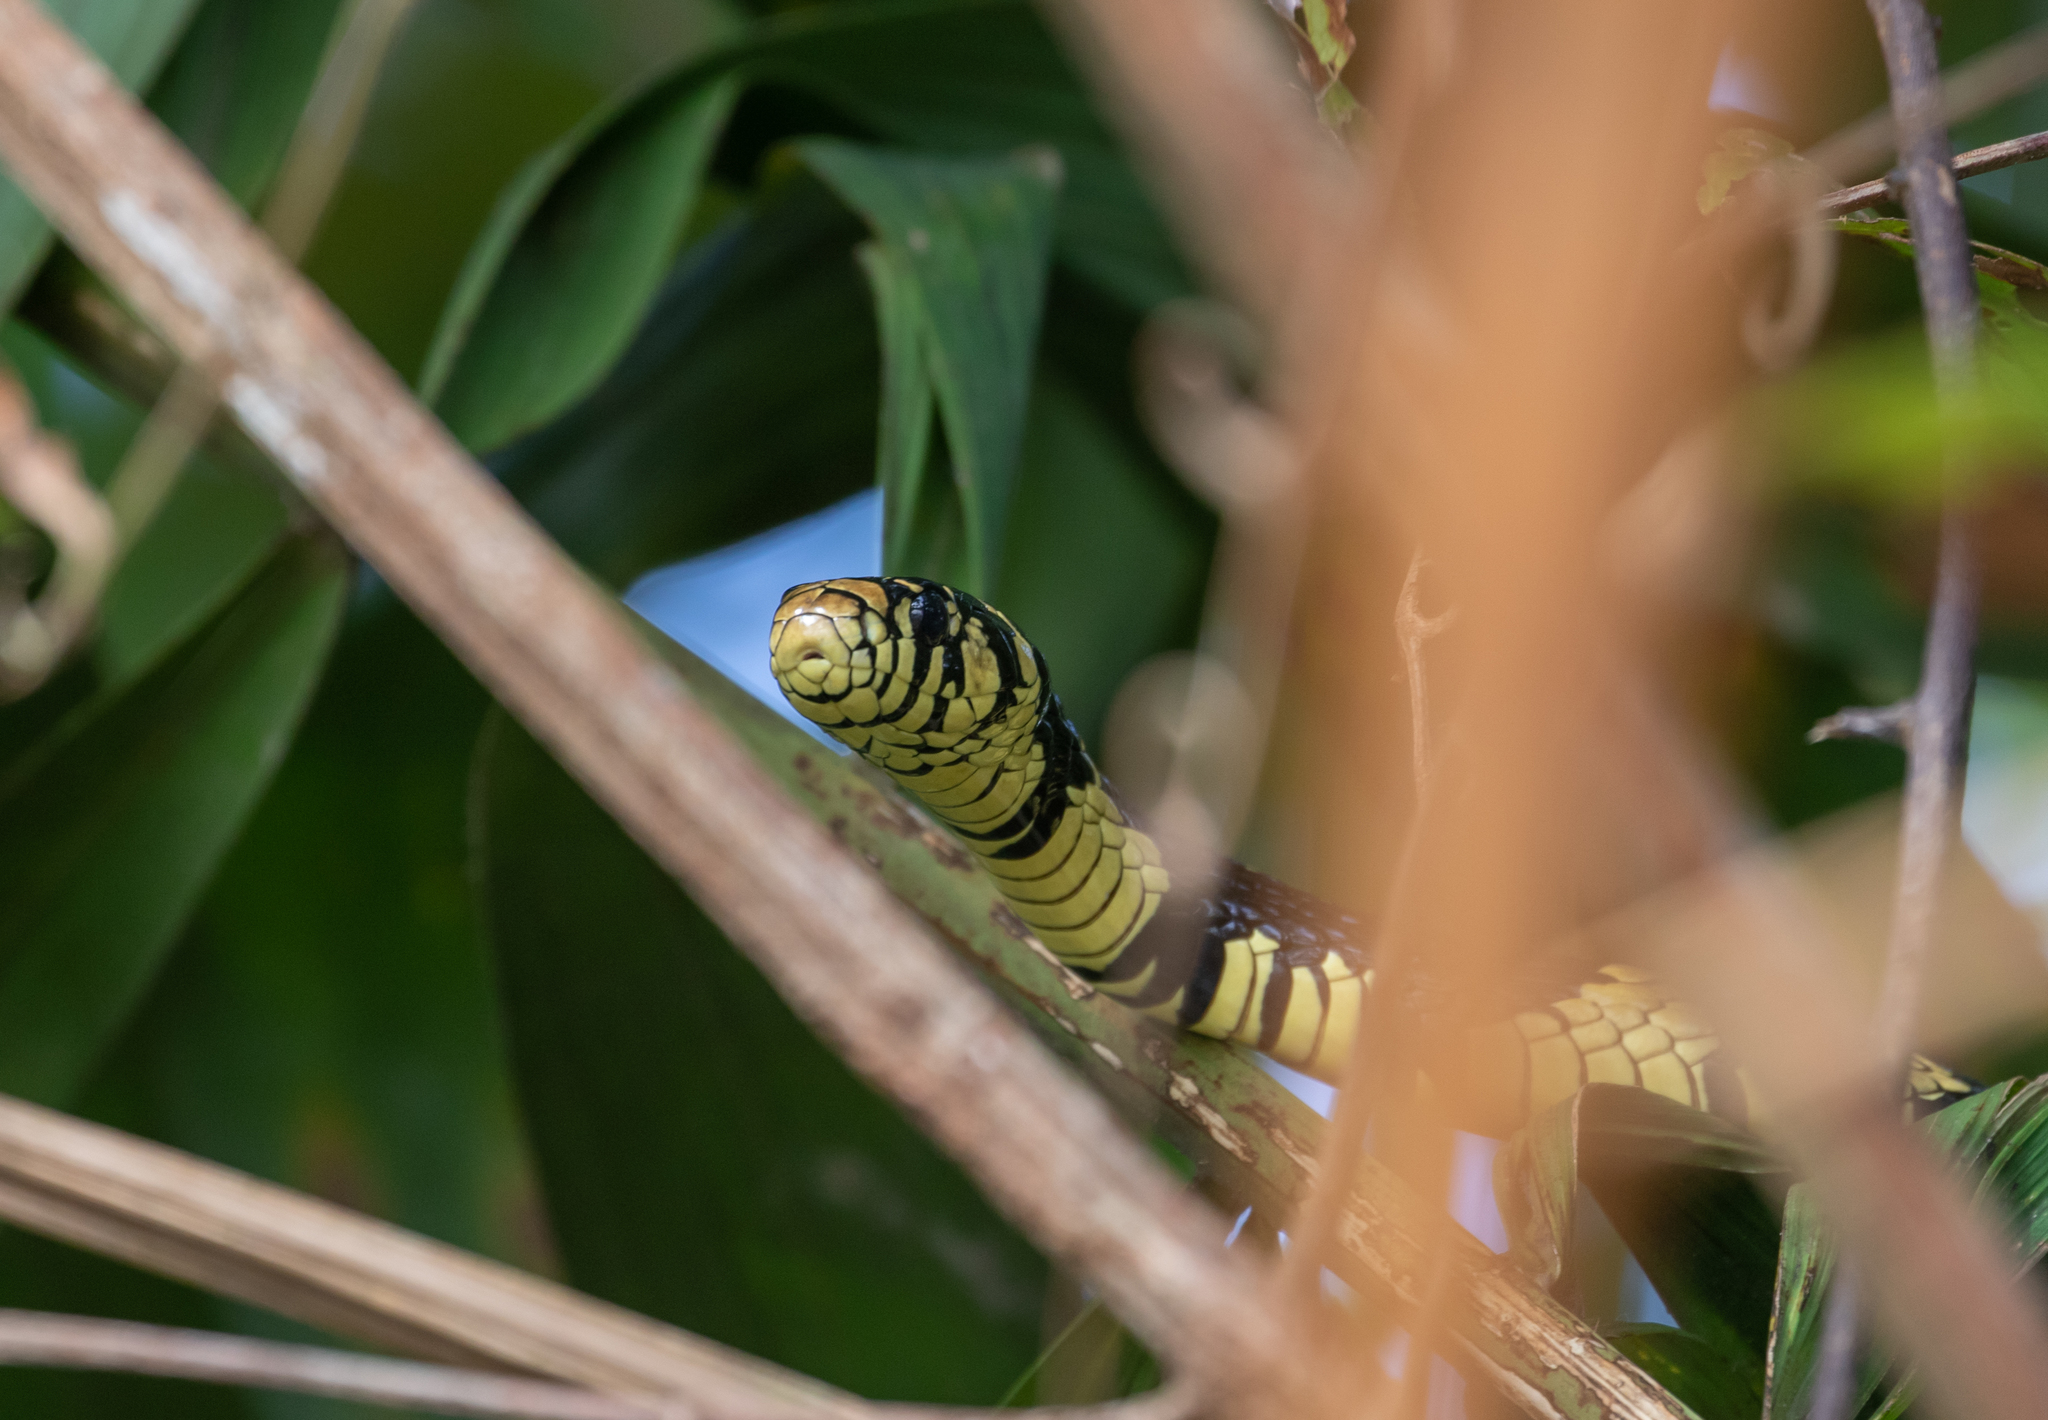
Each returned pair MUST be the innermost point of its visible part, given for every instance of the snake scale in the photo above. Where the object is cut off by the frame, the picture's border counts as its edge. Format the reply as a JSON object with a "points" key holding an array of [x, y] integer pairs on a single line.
{"points": [[943, 693]]}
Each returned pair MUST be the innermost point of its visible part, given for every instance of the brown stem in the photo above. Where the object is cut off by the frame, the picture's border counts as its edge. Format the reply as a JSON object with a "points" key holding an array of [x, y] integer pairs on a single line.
{"points": [[1941, 707], [850, 958], [1990, 158], [2000, 73]]}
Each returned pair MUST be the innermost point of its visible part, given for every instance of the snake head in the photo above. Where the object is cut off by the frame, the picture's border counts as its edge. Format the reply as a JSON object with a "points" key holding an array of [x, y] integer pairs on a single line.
{"points": [[904, 661]]}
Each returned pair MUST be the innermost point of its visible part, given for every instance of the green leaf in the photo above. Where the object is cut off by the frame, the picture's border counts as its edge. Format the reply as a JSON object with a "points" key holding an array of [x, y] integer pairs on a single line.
{"points": [[132, 37], [114, 828], [973, 238], [1328, 35], [561, 274], [903, 444], [1689, 1368], [706, 1159], [573, 252], [1999, 1137], [747, 398], [233, 90], [977, 77], [1095, 1358]]}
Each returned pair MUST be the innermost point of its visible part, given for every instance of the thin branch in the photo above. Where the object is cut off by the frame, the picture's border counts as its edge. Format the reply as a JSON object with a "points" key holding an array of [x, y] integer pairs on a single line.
{"points": [[313, 164], [46, 1339], [1983, 82], [1888, 724], [1941, 706], [1989, 159], [1940, 716], [41, 481], [853, 961], [88, 1343]]}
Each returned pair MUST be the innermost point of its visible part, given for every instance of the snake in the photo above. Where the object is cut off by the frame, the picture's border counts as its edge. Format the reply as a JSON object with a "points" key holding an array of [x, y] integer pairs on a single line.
{"points": [[944, 694]]}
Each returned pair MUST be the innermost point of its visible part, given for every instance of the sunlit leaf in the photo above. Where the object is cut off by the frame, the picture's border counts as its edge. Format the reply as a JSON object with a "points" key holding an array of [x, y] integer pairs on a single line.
{"points": [[113, 829], [972, 237]]}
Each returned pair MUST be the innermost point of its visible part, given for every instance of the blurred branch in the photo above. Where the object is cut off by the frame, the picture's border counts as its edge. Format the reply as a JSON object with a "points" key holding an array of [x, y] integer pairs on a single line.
{"points": [[40, 480], [1939, 719], [2000, 73], [159, 1209], [47, 1339], [87, 1343], [1988, 159], [851, 960], [1889, 724], [312, 166]]}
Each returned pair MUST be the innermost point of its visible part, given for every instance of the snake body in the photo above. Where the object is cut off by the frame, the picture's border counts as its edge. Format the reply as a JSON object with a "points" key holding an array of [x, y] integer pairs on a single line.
{"points": [[948, 697]]}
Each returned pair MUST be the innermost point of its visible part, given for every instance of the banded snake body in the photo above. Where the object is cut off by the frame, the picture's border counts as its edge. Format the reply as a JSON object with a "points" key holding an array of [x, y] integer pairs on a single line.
{"points": [[943, 693]]}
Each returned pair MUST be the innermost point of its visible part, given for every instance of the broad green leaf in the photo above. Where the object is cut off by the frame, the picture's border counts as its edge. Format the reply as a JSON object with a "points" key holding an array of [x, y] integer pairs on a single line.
{"points": [[560, 276], [973, 238], [1689, 1368], [706, 1159], [115, 827], [233, 89], [747, 398], [977, 77], [576, 248], [132, 37]]}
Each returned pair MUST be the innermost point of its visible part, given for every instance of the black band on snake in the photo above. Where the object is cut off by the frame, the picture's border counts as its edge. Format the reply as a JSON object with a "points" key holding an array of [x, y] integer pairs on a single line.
{"points": [[942, 692]]}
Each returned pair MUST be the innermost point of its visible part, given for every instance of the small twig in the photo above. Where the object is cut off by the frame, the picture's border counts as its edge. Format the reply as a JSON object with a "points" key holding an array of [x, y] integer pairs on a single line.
{"points": [[1372, 1049], [312, 166], [1940, 716], [40, 480], [1987, 80], [88, 1343], [1414, 631], [1890, 724], [1989, 159]]}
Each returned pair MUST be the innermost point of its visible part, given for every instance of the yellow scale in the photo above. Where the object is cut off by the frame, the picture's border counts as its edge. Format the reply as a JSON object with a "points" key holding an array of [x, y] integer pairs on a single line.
{"points": [[845, 653]]}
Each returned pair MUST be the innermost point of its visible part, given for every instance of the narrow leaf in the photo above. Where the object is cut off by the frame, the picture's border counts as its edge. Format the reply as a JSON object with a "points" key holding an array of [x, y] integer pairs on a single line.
{"points": [[903, 443], [572, 254], [974, 237]]}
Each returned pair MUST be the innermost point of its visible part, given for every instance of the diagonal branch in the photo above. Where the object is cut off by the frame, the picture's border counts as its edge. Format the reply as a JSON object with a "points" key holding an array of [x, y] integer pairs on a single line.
{"points": [[852, 960]]}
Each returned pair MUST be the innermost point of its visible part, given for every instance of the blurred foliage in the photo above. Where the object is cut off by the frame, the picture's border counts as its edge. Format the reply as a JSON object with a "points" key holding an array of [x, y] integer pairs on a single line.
{"points": [[286, 891]]}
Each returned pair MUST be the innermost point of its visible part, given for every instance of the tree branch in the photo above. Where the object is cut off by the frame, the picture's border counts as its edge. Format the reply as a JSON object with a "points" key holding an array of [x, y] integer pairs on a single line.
{"points": [[851, 960], [1988, 159], [88, 1343]]}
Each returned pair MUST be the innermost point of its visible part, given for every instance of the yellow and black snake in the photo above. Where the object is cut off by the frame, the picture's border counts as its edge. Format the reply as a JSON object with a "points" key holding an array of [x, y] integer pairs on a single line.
{"points": [[942, 692]]}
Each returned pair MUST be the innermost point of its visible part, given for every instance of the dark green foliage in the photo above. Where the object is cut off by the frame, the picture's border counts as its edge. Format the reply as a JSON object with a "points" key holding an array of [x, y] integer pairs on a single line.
{"points": [[706, 1158], [687, 269]]}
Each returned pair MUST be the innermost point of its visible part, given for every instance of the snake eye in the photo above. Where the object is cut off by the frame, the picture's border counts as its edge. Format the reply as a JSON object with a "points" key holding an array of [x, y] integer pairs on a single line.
{"points": [[928, 619]]}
